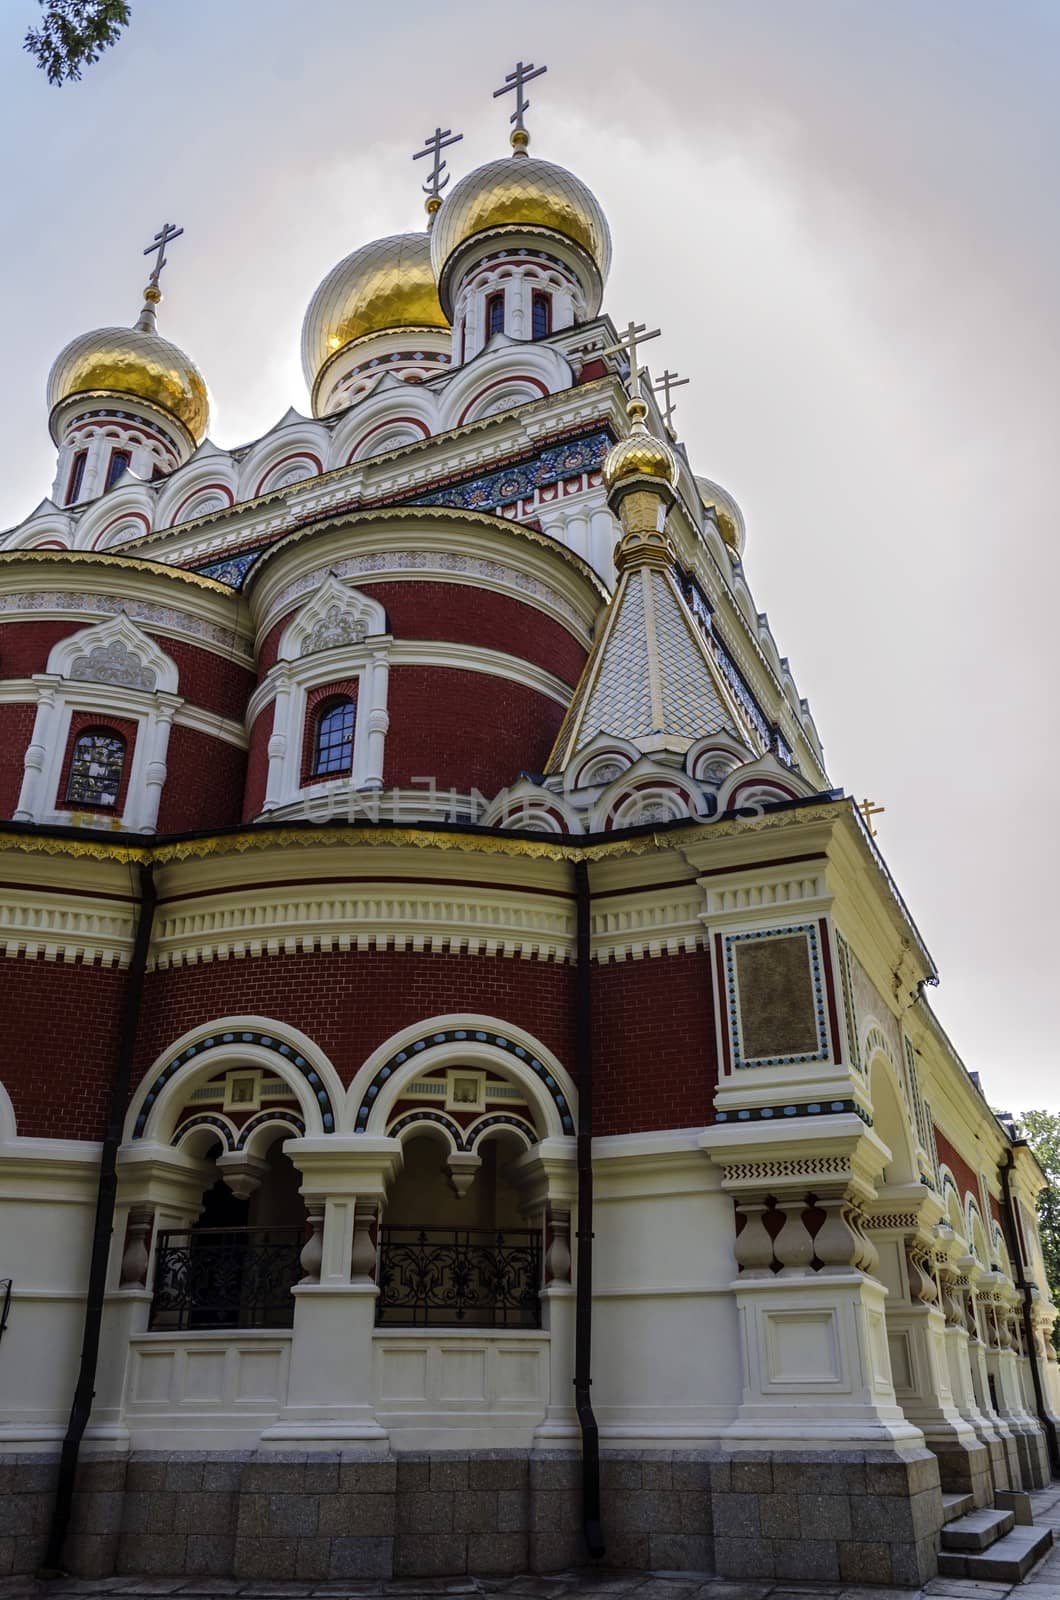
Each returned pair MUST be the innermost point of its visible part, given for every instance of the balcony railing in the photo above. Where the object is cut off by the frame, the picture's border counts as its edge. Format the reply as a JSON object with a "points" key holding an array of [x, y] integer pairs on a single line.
{"points": [[459, 1277], [225, 1278]]}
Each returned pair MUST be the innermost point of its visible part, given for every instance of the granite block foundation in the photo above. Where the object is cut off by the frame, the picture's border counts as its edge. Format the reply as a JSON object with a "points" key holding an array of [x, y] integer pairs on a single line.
{"points": [[860, 1517]]}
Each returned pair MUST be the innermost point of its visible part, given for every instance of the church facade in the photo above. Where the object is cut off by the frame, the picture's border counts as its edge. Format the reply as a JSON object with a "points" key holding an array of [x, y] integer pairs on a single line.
{"points": [[469, 1098]]}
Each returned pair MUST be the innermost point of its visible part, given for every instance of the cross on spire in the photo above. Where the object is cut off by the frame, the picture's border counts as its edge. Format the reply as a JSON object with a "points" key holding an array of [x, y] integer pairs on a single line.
{"points": [[157, 248], [524, 73], [870, 809], [634, 334], [667, 383], [433, 145]]}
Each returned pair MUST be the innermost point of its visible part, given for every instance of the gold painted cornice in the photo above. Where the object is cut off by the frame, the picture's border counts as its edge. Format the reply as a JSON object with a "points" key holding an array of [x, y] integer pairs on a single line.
{"points": [[106, 559]]}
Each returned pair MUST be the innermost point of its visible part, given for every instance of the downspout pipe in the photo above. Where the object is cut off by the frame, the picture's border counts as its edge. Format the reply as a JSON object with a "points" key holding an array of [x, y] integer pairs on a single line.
{"points": [[106, 1194], [1016, 1255], [583, 1302]]}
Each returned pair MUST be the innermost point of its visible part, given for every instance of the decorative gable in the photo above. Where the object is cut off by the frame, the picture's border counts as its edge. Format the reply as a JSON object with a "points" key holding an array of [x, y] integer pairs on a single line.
{"points": [[115, 652], [337, 616]]}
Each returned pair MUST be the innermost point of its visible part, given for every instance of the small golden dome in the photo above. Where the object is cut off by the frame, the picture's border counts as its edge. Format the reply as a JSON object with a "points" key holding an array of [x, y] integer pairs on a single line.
{"points": [[639, 455], [136, 363], [386, 284], [520, 192]]}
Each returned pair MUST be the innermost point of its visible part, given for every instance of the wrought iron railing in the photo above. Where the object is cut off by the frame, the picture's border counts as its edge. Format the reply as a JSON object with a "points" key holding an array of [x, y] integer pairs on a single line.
{"points": [[225, 1278], [459, 1277]]}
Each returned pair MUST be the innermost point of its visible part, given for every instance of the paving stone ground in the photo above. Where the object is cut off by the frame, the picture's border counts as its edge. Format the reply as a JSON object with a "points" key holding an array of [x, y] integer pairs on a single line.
{"points": [[583, 1583]]}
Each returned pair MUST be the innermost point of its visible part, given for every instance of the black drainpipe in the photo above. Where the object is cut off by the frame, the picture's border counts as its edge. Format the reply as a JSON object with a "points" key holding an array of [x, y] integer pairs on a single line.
{"points": [[1012, 1229], [84, 1393], [583, 1324]]}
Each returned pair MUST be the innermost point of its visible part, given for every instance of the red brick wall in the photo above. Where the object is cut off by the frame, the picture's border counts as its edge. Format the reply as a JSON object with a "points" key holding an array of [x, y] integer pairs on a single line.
{"points": [[25, 646], [210, 680], [967, 1178], [464, 615], [654, 1058], [350, 1004], [16, 731], [257, 763], [206, 679], [58, 1045], [467, 730], [204, 782]]}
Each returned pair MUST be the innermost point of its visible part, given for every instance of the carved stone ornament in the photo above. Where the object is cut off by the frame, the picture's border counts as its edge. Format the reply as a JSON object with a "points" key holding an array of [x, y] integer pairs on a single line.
{"points": [[336, 627], [113, 663]]}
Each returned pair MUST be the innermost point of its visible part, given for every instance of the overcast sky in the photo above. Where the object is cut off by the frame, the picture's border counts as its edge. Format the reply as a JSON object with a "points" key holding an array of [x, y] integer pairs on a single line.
{"points": [[844, 216]]}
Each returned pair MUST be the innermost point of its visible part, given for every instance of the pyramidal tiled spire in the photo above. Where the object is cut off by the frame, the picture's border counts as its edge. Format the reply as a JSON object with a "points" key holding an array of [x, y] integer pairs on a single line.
{"points": [[650, 677]]}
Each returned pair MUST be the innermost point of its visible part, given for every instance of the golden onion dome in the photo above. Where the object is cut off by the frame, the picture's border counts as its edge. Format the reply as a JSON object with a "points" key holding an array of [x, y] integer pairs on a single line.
{"points": [[639, 455], [727, 514], [384, 285], [520, 192], [135, 363]]}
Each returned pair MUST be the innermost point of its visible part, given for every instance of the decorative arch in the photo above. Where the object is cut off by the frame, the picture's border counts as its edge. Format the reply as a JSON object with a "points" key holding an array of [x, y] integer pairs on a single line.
{"points": [[714, 759], [8, 1129], [472, 1041], [951, 1197], [114, 652], [977, 1236], [392, 404], [203, 1128], [337, 614], [527, 370], [888, 1114], [296, 443], [128, 503], [527, 805], [239, 1041], [254, 1134]]}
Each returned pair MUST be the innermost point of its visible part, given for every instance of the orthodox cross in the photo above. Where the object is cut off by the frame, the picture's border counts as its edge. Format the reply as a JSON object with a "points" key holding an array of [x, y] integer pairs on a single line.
{"points": [[668, 382], [518, 80], [870, 809], [635, 334], [433, 145], [167, 232]]}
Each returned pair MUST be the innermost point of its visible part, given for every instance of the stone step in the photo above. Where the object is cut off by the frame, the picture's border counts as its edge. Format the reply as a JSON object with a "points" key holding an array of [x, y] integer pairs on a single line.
{"points": [[977, 1530], [1017, 1501], [1008, 1561], [955, 1505]]}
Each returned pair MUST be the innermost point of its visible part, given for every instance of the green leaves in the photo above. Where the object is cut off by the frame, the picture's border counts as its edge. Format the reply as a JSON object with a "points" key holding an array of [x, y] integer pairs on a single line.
{"points": [[1042, 1130], [73, 34]]}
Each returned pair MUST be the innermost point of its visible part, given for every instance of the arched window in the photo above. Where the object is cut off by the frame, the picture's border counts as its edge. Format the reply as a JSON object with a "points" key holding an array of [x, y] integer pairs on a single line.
{"points": [[333, 739], [542, 314], [495, 313], [77, 476], [119, 461], [96, 768]]}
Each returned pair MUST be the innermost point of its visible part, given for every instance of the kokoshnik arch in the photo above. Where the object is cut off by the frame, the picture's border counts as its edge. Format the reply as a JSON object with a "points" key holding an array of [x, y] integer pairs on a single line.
{"points": [[377, 798]]}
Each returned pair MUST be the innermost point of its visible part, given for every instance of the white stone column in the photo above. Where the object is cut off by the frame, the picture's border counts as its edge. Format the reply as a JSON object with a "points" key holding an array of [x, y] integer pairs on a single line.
{"points": [[31, 800], [158, 1187], [378, 720], [547, 1180], [331, 1388], [816, 1369], [156, 731], [278, 740]]}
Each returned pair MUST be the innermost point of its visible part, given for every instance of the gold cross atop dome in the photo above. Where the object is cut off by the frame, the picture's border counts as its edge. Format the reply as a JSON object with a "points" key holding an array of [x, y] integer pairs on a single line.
{"points": [[524, 73], [437, 179], [153, 294], [668, 383], [634, 334]]}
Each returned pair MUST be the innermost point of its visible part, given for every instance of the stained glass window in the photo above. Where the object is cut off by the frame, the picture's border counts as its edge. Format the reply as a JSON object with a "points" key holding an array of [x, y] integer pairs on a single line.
{"points": [[542, 314], [96, 768], [495, 314], [333, 746]]}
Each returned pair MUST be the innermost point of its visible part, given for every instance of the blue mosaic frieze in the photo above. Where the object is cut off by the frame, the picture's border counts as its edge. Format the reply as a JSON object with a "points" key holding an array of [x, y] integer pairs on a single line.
{"points": [[233, 570], [463, 1036], [814, 1108], [513, 483], [264, 1041], [220, 1125], [733, 998], [261, 1118]]}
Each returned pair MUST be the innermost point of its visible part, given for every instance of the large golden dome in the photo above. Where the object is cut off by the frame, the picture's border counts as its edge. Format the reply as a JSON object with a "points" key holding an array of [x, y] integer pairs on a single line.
{"points": [[522, 192], [386, 284], [133, 362]]}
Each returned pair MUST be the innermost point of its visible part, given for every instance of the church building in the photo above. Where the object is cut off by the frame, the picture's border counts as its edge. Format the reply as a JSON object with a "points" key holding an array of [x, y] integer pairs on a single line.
{"points": [[470, 1101]]}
